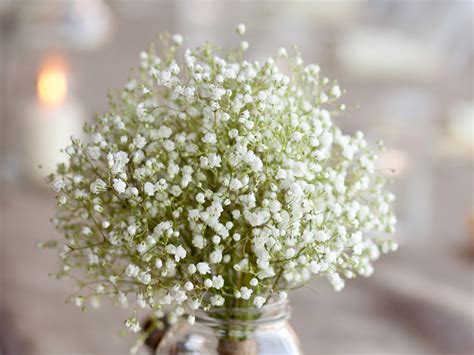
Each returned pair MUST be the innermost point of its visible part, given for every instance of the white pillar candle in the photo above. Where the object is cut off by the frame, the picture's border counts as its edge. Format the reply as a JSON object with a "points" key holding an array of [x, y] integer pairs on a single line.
{"points": [[49, 121]]}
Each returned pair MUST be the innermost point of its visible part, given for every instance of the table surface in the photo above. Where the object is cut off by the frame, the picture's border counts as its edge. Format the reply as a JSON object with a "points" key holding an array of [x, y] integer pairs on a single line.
{"points": [[419, 301]]}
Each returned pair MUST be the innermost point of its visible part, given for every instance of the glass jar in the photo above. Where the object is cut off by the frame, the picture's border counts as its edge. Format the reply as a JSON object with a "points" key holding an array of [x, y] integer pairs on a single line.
{"points": [[237, 331]]}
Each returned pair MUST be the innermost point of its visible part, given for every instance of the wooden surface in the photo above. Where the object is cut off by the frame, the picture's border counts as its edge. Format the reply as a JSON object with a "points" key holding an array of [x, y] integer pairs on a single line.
{"points": [[419, 300]]}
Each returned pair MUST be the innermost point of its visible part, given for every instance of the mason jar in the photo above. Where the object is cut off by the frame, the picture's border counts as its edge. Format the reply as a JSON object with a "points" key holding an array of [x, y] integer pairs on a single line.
{"points": [[234, 331]]}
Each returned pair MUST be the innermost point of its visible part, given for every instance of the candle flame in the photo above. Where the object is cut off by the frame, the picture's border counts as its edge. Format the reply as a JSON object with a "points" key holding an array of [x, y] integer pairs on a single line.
{"points": [[52, 81]]}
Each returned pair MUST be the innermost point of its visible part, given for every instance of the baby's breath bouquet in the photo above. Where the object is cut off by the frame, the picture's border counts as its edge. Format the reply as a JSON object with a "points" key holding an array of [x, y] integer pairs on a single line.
{"points": [[216, 182]]}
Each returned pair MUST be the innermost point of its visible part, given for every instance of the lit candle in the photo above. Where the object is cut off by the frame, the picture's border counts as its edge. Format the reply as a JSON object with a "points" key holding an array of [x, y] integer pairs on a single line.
{"points": [[50, 119]]}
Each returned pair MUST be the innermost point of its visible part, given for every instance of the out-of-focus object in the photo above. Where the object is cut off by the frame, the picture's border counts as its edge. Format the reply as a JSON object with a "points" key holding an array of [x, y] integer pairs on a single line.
{"points": [[318, 12], [154, 337], [458, 138], [333, 13], [6, 7], [80, 24], [461, 125], [446, 25], [398, 117], [43, 27], [397, 161], [376, 53], [139, 9], [470, 224], [50, 119]]}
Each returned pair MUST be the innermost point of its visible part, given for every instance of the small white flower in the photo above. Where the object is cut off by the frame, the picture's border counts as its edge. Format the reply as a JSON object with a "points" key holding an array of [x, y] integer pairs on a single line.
{"points": [[132, 230], [281, 174], [217, 300], [132, 270], [282, 52], [203, 268], [198, 241], [336, 91], [233, 133], [123, 299], [216, 256], [58, 185], [217, 282], [62, 199], [158, 263], [119, 185], [79, 301], [214, 160], [94, 152], [98, 186], [253, 161], [141, 110], [259, 301], [322, 236], [200, 198], [177, 39], [194, 304], [208, 283], [139, 141], [145, 278], [314, 267], [246, 293], [235, 184], [241, 29], [169, 145], [180, 253], [70, 150], [210, 138], [236, 214], [180, 297], [164, 132], [133, 325], [149, 188], [192, 269]]}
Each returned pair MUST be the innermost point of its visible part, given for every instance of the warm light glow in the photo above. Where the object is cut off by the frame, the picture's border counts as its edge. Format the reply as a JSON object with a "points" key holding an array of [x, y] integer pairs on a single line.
{"points": [[52, 81], [394, 160]]}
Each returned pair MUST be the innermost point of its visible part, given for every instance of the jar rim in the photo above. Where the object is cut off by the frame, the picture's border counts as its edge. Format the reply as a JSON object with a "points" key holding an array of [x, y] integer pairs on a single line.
{"points": [[272, 312]]}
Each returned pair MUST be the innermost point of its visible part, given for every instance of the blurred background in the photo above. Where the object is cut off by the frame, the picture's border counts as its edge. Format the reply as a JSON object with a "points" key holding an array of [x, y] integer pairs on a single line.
{"points": [[407, 67]]}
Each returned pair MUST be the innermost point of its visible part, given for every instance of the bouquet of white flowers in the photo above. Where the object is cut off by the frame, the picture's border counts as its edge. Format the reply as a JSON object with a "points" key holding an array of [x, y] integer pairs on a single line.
{"points": [[218, 182]]}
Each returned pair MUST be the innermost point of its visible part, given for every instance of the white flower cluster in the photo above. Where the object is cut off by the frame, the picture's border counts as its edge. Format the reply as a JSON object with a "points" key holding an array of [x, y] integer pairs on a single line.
{"points": [[219, 182]]}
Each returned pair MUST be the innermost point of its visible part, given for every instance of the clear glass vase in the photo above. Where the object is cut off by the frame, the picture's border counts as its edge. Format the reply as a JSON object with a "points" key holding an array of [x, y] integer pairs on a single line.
{"points": [[236, 331]]}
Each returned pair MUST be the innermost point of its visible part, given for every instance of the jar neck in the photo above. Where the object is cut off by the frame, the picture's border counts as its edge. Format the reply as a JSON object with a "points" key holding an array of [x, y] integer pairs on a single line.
{"points": [[271, 313]]}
